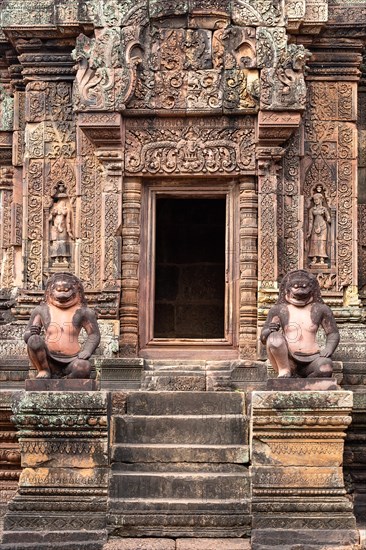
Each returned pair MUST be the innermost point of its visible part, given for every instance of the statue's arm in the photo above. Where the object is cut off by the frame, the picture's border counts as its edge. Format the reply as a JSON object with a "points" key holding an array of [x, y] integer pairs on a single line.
{"points": [[35, 324], [272, 324], [310, 223], [89, 323], [332, 333]]}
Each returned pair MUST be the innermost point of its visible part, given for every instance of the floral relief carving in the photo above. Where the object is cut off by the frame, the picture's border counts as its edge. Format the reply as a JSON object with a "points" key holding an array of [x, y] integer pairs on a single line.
{"points": [[258, 12], [189, 148]]}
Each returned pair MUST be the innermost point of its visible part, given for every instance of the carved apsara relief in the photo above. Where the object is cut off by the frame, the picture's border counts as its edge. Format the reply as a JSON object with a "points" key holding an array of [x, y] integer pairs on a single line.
{"points": [[329, 175], [50, 150]]}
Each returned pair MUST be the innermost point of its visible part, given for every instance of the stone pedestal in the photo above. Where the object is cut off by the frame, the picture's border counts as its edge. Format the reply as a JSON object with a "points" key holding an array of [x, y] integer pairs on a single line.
{"points": [[9, 453], [355, 458], [297, 482], [61, 499]]}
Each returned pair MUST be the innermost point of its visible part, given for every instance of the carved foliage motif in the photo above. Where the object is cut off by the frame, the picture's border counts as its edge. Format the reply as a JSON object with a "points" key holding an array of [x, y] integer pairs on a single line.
{"points": [[165, 147], [111, 13], [268, 185], [290, 259], [91, 208], [330, 154], [258, 12], [6, 110]]}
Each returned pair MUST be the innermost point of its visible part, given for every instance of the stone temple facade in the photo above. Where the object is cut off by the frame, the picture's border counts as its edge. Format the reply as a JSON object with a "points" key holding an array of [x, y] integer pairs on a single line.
{"points": [[180, 157]]}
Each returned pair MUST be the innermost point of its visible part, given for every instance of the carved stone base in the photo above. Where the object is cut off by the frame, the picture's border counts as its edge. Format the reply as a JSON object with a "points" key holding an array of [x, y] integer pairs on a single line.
{"points": [[62, 495], [61, 384], [302, 384], [298, 488]]}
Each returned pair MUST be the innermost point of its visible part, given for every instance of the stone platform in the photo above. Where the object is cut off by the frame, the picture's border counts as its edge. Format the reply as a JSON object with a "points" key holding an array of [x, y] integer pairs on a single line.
{"points": [[177, 544], [181, 471]]}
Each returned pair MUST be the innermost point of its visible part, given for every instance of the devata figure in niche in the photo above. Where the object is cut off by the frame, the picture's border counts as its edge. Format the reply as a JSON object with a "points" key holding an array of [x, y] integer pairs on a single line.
{"points": [[318, 229], [61, 231], [289, 332], [62, 316]]}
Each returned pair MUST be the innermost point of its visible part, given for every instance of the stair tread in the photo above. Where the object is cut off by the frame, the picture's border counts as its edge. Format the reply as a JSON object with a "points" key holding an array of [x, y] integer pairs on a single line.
{"points": [[175, 416], [179, 446], [178, 474], [182, 500]]}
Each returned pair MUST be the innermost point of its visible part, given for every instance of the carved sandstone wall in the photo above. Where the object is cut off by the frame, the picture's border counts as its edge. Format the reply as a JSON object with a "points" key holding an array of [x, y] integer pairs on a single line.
{"points": [[99, 99]]}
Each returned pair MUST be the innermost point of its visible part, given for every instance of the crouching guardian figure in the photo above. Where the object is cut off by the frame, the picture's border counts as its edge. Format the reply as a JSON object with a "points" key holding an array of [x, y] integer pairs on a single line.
{"points": [[290, 330], [57, 353]]}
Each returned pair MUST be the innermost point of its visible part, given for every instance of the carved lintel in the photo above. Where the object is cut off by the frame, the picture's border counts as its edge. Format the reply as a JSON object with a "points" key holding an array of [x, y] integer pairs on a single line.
{"points": [[277, 127]]}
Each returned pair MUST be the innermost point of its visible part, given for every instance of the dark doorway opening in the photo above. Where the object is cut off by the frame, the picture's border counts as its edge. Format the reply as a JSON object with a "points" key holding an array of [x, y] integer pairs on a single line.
{"points": [[190, 268]]}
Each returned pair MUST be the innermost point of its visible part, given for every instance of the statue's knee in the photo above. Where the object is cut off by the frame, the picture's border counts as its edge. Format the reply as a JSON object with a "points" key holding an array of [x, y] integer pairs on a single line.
{"points": [[35, 342], [275, 341], [81, 368], [325, 370]]}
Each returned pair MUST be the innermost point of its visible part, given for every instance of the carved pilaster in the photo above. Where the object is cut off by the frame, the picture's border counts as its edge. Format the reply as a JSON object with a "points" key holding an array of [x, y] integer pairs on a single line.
{"points": [[99, 189], [131, 237], [330, 169], [6, 198], [45, 165], [248, 267], [291, 208], [268, 167]]}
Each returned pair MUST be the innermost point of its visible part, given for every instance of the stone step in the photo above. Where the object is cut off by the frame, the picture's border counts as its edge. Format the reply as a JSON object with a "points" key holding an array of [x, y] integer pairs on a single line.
{"points": [[211, 430], [173, 485], [199, 522], [64, 539], [179, 544], [185, 403], [179, 467], [175, 505], [171, 453]]}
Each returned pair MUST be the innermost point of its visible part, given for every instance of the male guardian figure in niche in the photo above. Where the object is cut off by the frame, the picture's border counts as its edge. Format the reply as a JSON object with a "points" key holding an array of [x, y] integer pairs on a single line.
{"points": [[62, 316], [289, 332]]}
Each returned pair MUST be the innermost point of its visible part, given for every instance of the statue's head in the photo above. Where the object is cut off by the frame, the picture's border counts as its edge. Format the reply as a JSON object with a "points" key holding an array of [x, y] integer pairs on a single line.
{"points": [[64, 290], [299, 288]]}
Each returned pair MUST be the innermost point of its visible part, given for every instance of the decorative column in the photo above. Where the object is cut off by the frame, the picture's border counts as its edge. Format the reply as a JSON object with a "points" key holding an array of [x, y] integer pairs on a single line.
{"points": [[131, 238], [62, 495], [248, 267], [297, 480]]}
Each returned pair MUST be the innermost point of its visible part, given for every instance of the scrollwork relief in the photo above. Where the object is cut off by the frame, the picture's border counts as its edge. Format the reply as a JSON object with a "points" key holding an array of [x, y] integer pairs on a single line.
{"points": [[258, 12], [106, 77], [168, 148]]}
